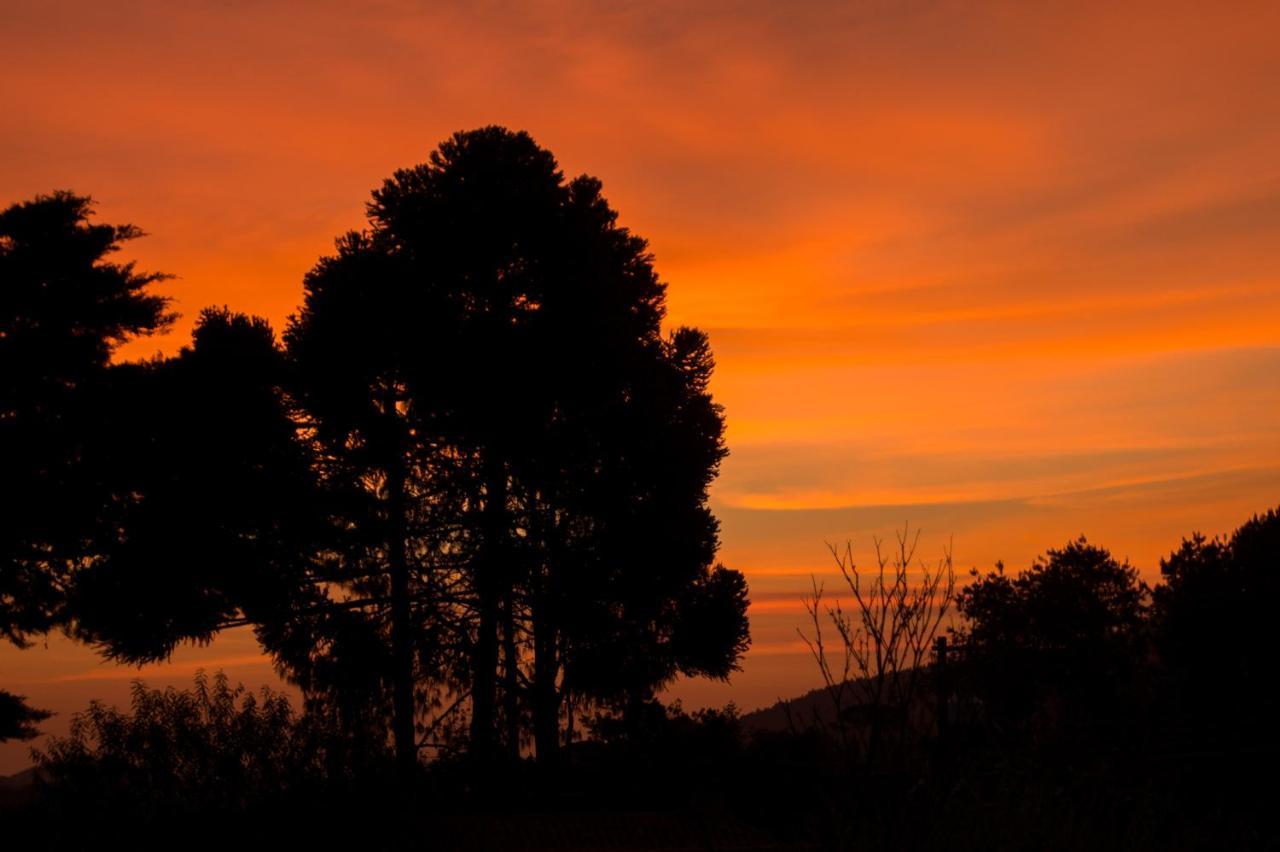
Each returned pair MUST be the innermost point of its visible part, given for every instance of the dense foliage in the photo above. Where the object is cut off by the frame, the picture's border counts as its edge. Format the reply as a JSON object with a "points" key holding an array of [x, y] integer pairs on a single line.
{"points": [[485, 366], [463, 503]]}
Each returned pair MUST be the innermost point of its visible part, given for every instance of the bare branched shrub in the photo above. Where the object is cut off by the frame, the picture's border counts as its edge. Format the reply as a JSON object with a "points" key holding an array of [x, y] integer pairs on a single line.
{"points": [[875, 667]]}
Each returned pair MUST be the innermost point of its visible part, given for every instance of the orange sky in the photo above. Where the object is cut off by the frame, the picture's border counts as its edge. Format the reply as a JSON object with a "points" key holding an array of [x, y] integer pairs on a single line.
{"points": [[1007, 270]]}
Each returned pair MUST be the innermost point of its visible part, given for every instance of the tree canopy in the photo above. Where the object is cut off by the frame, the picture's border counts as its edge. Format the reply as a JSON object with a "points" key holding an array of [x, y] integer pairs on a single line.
{"points": [[487, 361], [469, 490], [64, 308], [1073, 624], [1213, 616]]}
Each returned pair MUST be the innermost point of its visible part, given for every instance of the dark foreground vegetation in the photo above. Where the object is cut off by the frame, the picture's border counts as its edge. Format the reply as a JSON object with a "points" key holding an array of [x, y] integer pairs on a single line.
{"points": [[462, 502], [1069, 707]]}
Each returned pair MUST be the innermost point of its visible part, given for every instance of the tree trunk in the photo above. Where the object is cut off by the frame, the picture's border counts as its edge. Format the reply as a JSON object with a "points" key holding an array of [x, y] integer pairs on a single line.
{"points": [[546, 699], [401, 628], [511, 681], [568, 721], [484, 661]]}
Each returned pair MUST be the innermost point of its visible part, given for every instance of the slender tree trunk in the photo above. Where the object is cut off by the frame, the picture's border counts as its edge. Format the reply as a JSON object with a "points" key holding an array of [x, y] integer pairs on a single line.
{"points": [[511, 679], [401, 628], [568, 721], [484, 662], [546, 699]]}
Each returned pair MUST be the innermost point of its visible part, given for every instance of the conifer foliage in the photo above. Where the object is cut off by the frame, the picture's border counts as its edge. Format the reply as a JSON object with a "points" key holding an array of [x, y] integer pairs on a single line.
{"points": [[462, 501]]}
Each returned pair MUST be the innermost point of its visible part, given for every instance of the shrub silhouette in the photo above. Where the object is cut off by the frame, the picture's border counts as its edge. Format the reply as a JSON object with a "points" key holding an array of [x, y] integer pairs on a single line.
{"points": [[1070, 630], [210, 749]]}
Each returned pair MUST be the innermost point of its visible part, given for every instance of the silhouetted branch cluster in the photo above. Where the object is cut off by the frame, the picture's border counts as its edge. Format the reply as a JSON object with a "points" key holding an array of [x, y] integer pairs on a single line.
{"points": [[18, 720], [884, 644]]}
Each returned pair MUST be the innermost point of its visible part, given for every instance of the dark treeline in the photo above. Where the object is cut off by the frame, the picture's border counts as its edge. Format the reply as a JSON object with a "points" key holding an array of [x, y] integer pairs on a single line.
{"points": [[1071, 706], [462, 501]]}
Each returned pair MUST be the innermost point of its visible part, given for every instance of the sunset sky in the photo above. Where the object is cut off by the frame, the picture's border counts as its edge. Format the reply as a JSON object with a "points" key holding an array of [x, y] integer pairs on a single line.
{"points": [[1007, 271]]}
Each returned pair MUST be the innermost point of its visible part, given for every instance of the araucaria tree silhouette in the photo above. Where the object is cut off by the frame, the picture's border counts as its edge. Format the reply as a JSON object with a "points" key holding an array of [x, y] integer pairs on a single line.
{"points": [[216, 515], [64, 308], [486, 364]]}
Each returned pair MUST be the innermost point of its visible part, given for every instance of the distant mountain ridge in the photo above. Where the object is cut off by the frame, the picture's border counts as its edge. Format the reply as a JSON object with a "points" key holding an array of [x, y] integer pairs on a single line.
{"points": [[16, 789], [800, 712]]}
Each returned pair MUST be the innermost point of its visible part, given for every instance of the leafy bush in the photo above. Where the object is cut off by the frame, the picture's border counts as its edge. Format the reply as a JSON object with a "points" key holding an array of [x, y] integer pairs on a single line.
{"points": [[214, 749], [1070, 631]]}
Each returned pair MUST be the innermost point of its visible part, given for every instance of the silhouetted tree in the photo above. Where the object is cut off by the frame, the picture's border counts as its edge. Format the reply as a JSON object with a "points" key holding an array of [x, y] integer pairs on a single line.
{"points": [[214, 513], [359, 348], [219, 517], [1071, 627], [647, 605], [64, 308], [188, 504], [1213, 619], [487, 361], [480, 473]]}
